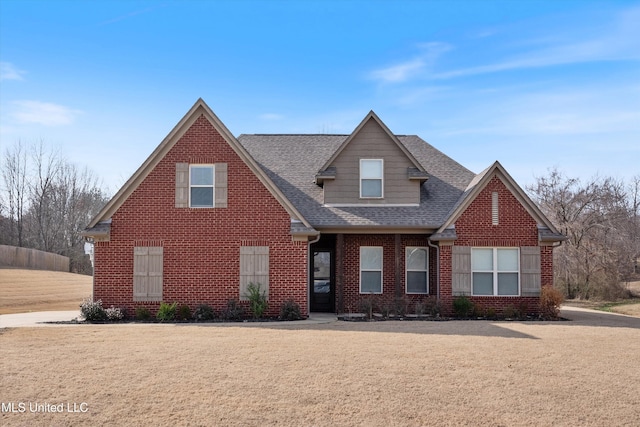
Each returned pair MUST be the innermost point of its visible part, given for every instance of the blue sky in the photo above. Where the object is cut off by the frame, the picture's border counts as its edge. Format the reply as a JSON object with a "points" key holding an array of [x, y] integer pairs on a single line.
{"points": [[533, 84]]}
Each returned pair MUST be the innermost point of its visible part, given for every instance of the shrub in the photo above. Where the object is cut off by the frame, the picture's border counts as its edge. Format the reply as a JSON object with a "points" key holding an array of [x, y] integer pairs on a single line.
{"points": [[258, 303], [491, 313], [204, 313], [234, 311], [167, 312], [143, 313], [92, 311], [462, 306], [479, 310], [114, 314], [510, 312], [290, 310], [435, 308], [550, 301], [400, 306], [184, 313], [420, 308], [365, 306]]}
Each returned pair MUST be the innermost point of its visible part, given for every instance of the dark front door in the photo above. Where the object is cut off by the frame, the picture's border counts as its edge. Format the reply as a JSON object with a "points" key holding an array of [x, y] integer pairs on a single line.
{"points": [[322, 282]]}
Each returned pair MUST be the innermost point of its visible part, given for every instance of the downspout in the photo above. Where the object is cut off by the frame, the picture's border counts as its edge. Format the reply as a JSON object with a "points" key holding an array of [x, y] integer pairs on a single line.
{"points": [[437, 248]]}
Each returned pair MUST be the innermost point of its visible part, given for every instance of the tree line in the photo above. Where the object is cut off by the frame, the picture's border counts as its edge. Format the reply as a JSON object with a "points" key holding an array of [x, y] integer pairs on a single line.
{"points": [[46, 201], [601, 219]]}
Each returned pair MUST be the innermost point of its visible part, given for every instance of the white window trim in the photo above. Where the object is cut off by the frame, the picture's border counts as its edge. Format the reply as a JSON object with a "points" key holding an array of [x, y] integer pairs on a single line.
{"points": [[212, 186], [495, 272], [376, 270], [381, 179], [407, 270]]}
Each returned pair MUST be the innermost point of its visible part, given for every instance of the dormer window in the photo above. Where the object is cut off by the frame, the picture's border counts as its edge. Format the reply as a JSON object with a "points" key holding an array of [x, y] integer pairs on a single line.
{"points": [[371, 178]]}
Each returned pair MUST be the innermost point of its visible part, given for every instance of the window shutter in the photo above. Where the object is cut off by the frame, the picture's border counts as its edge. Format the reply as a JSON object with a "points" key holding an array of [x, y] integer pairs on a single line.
{"points": [[154, 290], [147, 273], [182, 185], [530, 272], [140, 273], [460, 270], [254, 268], [220, 185]]}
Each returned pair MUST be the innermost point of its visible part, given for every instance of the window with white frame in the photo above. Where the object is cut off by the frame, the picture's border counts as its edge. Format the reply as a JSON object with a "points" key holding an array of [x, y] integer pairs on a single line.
{"points": [[370, 269], [201, 186], [417, 270], [495, 271], [371, 178]]}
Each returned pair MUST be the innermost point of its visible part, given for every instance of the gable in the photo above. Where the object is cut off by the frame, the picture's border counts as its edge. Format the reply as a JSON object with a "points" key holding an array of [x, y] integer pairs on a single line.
{"points": [[397, 173], [478, 203], [198, 117]]}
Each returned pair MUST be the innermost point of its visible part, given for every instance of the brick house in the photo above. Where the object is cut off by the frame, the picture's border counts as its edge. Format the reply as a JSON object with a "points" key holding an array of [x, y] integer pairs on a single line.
{"points": [[325, 220]]}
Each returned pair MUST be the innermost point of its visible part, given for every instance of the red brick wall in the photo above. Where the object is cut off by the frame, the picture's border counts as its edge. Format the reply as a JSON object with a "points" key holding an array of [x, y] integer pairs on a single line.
{"points": [[201, 246], [352, 296], [515, 228]]}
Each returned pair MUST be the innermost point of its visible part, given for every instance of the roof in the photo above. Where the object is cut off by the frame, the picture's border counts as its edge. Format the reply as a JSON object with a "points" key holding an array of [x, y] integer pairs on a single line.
{"points": [[292, 162]]}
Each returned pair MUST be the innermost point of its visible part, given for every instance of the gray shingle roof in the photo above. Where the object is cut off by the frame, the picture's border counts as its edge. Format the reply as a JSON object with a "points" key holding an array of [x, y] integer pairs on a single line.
{"points": [[292, 162]]}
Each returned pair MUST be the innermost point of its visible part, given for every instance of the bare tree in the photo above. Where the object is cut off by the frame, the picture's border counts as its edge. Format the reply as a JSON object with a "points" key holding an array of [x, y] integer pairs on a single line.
{"points": [[597, 218], [14, 175]]}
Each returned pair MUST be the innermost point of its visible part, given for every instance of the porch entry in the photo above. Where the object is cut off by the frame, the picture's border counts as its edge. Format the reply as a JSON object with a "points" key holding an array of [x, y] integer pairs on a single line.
{"points": [[322, 281]]}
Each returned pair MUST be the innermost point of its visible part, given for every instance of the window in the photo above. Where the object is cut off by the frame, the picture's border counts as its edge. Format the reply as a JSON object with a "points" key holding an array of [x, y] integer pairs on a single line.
{"points": [[254, 268], [371, 174], [495, 271], [370, 269], [201, 186], [147, 273], [417, 266]]}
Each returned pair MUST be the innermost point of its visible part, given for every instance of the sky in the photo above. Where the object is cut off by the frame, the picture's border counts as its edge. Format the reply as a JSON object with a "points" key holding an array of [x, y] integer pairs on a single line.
{"points": [[532, 84]]}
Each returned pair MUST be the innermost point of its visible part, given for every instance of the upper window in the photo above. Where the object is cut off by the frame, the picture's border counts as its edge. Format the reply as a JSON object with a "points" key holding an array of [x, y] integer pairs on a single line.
{"points": [[417, 263], [370, 269], [495, 271], [201, 186], [371, 178]]}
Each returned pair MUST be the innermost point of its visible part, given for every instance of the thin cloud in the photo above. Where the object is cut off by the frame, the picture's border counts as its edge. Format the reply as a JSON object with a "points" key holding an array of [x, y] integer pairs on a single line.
{"points": [[408, 69], [43, 113], [271, 116], [133, 14], [8, 71], [617, 42]]}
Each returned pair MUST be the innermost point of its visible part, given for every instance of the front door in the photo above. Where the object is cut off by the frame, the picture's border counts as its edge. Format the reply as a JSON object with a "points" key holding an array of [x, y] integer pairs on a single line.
{"points": [[322, 283]]}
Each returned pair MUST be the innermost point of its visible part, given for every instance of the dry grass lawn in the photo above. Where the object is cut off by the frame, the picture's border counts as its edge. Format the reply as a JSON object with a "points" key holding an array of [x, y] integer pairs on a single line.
{"points": [[22, 291], [457, 373]]}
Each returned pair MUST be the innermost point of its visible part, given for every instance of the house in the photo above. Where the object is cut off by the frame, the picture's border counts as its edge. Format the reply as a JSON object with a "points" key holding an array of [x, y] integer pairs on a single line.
{"points": [[325, 220]]}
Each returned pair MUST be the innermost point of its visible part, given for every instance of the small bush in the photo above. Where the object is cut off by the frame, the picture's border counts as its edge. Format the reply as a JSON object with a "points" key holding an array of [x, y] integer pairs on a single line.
{"points": [[462, 306], [167, 312], [550, 301], [184, 313], [523, 309], [114, 314], [420, 308], [491, 313], [435, 308], [92, 311], [400, 306], [234, 311], [143, 313], [290, 310], [204, 313], [258, 303], [479, 310], [365, 305], [510, 312]]}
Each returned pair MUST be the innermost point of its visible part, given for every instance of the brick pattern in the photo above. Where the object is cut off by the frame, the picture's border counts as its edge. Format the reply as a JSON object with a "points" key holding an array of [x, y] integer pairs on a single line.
{"points": [[201, 246], [515, 228]]}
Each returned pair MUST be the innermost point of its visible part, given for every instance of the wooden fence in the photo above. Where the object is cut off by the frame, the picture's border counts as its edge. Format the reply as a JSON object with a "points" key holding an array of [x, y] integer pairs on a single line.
{"points": [[32, 258]]}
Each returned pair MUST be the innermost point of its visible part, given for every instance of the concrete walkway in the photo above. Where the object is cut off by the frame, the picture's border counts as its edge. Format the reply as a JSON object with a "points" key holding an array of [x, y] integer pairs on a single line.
{"points": [[39, 318]]}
